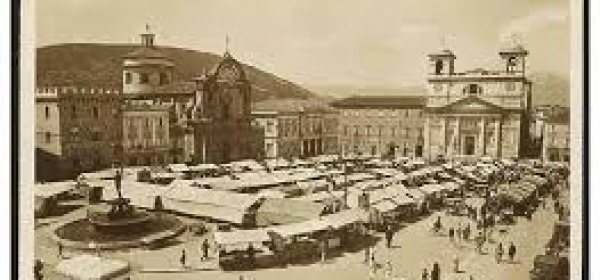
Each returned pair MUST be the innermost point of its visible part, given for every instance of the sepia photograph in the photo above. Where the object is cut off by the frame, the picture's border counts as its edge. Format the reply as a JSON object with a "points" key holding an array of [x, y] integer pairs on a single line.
{"points": [[290, 139]]}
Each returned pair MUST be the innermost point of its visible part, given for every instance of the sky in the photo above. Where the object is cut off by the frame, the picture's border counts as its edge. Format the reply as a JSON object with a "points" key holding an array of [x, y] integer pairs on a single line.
{"points": [[382, 43]]}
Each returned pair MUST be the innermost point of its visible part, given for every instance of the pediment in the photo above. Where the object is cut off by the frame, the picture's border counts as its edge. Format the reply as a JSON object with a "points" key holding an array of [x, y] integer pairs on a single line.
{"points": [[471, 104]]}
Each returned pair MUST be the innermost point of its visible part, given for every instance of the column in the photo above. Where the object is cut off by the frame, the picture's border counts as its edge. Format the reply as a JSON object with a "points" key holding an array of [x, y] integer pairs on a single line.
{"points": [[482, 137], [456, 142], [497, 136], [426, 144], [444, 140]]}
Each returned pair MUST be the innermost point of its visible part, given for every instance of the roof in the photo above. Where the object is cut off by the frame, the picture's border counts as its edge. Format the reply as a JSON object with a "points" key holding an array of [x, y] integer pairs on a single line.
{"points": [[91, 267], [442, 53], [559, 118], [514, 49], [381, 102], [285, 211], [470, 104], [46, 190], [146, 52], [291, 106]]}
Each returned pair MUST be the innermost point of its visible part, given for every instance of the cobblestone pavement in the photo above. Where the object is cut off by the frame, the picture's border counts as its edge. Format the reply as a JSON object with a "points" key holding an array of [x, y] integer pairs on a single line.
{"points": [[414, 248]]}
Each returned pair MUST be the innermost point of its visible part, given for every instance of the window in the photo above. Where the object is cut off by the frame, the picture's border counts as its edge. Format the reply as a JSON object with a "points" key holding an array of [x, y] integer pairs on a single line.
{"points": [[345, 130], [95, 112], [393, 131], [368, 130], [439, 66], [48, 137], [160, 121], [128, 78], [380, 130], [473, 89], [95, 136], [437, 87], [510, 86], [163, 78], [74, 111], [144, 78]]}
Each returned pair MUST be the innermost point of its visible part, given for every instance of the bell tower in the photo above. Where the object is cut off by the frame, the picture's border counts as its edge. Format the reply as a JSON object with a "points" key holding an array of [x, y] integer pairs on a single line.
{"points": [[441, 63], [514, 58]]}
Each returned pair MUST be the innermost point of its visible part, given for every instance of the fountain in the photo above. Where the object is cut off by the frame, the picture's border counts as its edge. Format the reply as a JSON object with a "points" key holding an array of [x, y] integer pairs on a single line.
{"points": [[122, 225]]}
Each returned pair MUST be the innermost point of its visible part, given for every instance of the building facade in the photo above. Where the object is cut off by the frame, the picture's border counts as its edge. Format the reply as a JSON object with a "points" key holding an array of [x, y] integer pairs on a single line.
{"points": [[480, 112], [157, 110], [296, 128], [76, 130], [221, 120], [556, 137], [381, 125]]}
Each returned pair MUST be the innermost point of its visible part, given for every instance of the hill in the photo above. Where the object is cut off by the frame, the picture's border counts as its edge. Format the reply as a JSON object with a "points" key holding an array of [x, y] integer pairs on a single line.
{"points": [[99, 65], [548, 89]]}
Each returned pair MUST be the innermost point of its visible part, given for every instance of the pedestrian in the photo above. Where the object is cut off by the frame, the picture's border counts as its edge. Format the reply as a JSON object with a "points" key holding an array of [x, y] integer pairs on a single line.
{"points": [[459, 232], [372, 260], [38, 267], [251, 259], [205, 248], [389, 235], [451, 234], [182, 259], [425, 274], [323, 247], [512, 250], [435, 271], [499, 252], [456, 265], [367, 254], [60, 250]]}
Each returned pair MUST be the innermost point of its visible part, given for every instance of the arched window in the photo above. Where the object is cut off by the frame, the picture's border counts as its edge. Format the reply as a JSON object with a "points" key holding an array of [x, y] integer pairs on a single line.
{"points": [[128, 78], [95, 112], [439, 66], [473, 89], [47, 112]]}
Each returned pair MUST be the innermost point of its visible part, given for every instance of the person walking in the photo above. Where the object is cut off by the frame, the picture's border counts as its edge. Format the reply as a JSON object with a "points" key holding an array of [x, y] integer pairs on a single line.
{"points": [[499, 252], [389, 235], [38, 267], [251, 255], [512, 250], [425, 274], [451, 234], [467, 232], [205, 248], [456, 265], [367, 254], [182, 259], [60, 250], [459, 232], [435, 271]]}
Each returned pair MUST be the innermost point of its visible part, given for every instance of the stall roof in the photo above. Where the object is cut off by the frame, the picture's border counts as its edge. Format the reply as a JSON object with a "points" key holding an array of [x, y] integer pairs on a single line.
{"points": [[384, 206], [91, 267], [284, 210], [53, 188], [241, 236], [178, 167], [213, 197], [431, 188], [212, 211]]}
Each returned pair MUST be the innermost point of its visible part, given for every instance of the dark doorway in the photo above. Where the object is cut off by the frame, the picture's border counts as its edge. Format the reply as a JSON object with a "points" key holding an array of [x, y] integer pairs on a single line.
{"points": [[419, 151], [469, 145]]}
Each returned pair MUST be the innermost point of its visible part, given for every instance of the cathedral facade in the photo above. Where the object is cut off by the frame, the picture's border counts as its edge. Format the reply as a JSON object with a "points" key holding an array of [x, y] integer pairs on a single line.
{"points": [[480, 112], [222, 119]]}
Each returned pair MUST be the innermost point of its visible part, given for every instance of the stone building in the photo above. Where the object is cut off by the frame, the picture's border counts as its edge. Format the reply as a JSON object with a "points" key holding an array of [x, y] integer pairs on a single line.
{"points": [[381, 125], [221, 118], [76, 130], [479, 112], [157, 109], [556, 137], [296, 128]]}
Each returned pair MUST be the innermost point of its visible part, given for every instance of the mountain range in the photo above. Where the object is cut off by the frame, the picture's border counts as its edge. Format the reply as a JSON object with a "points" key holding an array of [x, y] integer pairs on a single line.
{"points": [[99, 65]]}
